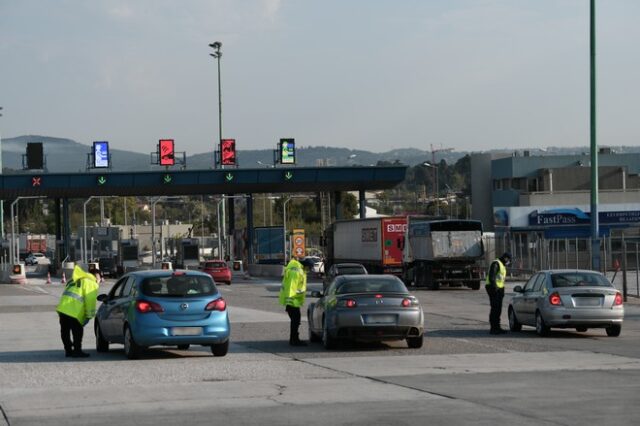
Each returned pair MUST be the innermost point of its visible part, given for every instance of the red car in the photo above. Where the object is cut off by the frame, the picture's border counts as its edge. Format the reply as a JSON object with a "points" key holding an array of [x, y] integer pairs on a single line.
{"points": [[218, 270]]}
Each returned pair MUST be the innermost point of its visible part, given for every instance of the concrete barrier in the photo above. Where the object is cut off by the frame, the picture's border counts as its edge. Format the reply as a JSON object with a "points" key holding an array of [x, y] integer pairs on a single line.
{"points": [[18, 274]]}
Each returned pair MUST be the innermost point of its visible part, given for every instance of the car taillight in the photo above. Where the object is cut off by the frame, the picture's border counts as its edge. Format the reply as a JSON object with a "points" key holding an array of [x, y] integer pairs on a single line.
{"points": [[348, 303], [216, 305], [555, 300], [406, 302], [145, 306], [618, 300]]}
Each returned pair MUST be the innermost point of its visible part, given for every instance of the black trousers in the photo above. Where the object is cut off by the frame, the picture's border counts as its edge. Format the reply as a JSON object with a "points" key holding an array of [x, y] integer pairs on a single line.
{"points": [[495, 300], [70, 326], [294, 315]]}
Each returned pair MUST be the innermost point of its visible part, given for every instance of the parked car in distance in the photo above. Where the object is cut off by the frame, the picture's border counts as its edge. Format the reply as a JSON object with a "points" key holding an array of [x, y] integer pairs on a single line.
{"points": [[579, 299], [366, 308], [36, 259], [318, 265], [342, 269], [163, 308], [218, 269]]}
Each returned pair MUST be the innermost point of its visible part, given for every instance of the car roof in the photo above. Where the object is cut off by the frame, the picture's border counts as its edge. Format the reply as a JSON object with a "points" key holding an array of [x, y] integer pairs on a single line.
{"points": [[348, 265], [369, 277], [160, 273], [571, 271]]}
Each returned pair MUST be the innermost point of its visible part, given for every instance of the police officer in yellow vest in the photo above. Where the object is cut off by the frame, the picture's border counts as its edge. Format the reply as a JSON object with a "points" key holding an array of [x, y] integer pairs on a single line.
{"points": [[292, 294], [495, 289], [76, 307]]}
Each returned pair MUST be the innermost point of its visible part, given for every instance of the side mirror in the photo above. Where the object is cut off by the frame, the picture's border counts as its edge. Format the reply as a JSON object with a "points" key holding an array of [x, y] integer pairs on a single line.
{"points": [[518, 289], [315, 293], [102, 297]]}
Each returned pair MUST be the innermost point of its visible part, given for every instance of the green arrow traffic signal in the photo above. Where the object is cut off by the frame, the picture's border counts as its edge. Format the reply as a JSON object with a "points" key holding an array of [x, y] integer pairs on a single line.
{"points": [[102, 180], [167, 178], [228, 177], [288, 176]]}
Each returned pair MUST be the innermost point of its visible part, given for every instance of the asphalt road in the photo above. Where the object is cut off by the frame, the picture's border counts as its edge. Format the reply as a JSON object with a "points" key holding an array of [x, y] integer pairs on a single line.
{"points": [[462, 375]]}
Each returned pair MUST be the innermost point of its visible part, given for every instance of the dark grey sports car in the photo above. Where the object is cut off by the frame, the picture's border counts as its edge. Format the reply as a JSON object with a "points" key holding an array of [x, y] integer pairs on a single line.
{"points": [[367, 308], [577, 299]]}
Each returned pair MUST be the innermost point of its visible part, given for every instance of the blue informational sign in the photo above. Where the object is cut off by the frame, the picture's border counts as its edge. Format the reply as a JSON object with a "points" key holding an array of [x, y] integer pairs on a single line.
{"points": [[560, 217], [101, 154]]}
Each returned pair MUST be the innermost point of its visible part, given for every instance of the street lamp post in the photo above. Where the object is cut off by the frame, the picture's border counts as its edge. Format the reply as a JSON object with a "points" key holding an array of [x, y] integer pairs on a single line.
{"points": [[84, 222], [436, 192], [217, 54], [14, 249]]}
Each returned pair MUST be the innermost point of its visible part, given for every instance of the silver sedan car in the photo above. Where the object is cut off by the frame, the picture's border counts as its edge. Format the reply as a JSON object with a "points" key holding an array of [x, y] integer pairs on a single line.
{"points": [[577, 299], [366, 308]]}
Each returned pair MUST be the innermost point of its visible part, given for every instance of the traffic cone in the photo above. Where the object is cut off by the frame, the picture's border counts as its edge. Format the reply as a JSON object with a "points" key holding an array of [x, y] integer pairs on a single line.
{"points": [[48, 277], [64, 279]]}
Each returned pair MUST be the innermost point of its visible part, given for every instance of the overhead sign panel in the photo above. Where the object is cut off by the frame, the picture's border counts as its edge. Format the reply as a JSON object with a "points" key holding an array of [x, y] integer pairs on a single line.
{"points": [[167, 153], [228, 152], [287, 151], [35, 157], [101, 154]]}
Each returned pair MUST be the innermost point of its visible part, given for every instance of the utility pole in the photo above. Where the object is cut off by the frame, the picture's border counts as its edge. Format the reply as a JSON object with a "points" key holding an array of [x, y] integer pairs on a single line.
{"points": [[595, 231]]}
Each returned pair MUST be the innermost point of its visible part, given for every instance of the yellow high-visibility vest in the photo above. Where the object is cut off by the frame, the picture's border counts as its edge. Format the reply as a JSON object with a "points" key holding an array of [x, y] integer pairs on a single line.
{"points": [[294, 285], [500, 276], [79, 297]]}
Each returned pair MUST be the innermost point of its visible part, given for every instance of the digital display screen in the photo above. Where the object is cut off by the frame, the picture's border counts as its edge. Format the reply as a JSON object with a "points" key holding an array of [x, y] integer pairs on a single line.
{"points": [[167, 156], [228, 152], [287, 151], [101, 154], [35, 155]]}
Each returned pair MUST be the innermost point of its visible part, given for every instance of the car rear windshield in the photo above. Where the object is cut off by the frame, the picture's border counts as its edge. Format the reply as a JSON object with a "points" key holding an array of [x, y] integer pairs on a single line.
{"points": [[178, 286], [579, 279], [372, 286], [215, 265], [351, 270]]}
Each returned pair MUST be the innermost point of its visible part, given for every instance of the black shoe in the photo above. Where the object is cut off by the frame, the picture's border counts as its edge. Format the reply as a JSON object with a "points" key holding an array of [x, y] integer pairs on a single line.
{"points": [[80, 354], [498, 331], [297, 343], [68, 354]]}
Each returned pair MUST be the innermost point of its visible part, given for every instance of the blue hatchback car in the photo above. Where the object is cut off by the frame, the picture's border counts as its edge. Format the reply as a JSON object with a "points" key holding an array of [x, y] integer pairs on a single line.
{"points": [[161, 307]]}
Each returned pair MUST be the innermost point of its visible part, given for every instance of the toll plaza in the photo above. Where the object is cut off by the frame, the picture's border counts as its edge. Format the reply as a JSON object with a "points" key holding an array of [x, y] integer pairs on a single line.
{"points": [[234, 182]]}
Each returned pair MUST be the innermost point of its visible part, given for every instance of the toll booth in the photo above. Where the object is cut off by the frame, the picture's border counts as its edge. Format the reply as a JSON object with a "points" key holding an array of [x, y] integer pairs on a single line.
{"points": [[188, 253], [128, 255]]}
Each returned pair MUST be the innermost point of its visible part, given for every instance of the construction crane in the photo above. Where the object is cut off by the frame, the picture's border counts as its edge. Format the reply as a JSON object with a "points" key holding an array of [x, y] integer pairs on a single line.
{"points": [[433, 152]]}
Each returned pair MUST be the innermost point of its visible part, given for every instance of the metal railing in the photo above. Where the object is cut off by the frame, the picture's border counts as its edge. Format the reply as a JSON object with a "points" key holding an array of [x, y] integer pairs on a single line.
{"points": [[619, 256]]}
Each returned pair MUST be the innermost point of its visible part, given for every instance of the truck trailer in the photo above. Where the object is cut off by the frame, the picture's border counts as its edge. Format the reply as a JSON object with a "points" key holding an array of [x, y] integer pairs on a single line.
{"points": [[375, 243], [443, 252]]}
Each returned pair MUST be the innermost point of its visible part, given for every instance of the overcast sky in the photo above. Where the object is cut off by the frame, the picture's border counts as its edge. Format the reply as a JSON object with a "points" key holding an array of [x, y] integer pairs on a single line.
{"points": [[363, 74]]}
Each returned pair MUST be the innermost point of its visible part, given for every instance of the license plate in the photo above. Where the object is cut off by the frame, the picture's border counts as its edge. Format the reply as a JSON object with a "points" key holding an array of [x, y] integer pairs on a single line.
{"points": [[380, 319], [186, 331], [587, 301]]}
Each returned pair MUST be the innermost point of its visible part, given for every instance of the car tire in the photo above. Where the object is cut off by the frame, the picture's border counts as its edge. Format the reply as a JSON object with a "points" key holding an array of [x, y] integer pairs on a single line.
{"points": [[614, 330], [541, 328], [102, 345], [581, 329], [131, 348], [220, 349], [228, 282], [415, 342], [475, 285], [313, 337], [328, 341], [184, 347], [514, 324]]}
